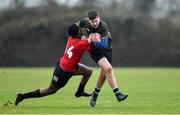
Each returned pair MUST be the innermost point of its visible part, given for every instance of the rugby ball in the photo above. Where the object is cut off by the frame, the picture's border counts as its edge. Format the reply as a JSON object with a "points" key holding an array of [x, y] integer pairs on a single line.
{"points": [[96, 37]]}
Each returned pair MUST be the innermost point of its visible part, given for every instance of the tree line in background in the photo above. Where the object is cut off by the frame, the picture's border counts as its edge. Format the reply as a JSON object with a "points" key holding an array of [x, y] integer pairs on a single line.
{"points": [[37, 36]]}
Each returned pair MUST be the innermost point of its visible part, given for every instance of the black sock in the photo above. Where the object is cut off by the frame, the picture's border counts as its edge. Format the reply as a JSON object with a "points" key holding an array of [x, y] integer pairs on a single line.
{"points": [[116, 91], [96, 91], [81, 88], [33, 94]]}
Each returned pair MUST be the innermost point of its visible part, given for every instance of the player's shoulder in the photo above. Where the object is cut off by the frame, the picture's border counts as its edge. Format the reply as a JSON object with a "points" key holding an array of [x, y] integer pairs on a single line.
{"points": [[103, 24]]}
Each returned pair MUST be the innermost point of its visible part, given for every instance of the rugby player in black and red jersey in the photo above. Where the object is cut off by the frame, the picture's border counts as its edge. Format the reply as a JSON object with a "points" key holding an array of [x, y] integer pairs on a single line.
{"points": [[103, 57], [67, 66]]}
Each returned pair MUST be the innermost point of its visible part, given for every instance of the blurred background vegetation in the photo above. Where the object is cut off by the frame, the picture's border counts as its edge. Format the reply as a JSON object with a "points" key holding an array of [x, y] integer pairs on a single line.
{"points": [[145, 32]]}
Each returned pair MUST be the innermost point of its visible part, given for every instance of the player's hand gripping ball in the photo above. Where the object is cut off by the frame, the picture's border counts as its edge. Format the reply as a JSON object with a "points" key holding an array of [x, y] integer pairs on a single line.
{"points": [[95, 37]]}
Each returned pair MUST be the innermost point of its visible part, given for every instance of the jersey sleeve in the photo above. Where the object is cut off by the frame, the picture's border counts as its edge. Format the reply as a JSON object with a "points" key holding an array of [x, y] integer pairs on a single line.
{"points": [[102, 44], [104, 32]]}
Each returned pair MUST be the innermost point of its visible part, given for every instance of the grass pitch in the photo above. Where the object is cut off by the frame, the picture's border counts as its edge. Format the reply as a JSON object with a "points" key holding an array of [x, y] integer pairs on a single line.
{"points": [[151, 91]]}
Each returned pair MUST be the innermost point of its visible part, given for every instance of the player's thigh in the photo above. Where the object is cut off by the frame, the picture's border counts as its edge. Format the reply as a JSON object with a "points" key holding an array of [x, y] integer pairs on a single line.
{"points": [[104, 64], [83, 69], [60, 77]]}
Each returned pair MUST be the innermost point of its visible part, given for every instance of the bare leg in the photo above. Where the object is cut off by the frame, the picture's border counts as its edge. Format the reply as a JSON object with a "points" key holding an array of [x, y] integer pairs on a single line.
{"points": [[86, 72], [101, 79], [48, 91], [106, 66], [106, 69]]}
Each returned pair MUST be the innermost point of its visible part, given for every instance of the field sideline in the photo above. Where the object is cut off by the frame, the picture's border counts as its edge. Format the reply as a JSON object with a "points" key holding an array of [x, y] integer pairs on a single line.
{"points": [[151, 91]]}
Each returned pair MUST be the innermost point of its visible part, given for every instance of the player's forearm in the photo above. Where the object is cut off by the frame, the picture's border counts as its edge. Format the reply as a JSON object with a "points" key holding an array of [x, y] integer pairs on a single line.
{"points": [[103, 43]]}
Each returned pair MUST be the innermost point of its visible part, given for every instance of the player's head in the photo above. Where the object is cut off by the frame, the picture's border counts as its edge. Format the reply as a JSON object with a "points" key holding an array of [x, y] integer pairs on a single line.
{"points": [[73, 30], [94, 18]]}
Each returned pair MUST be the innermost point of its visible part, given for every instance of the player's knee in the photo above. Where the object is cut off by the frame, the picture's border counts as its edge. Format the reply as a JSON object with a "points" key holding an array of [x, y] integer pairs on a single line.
{"points": [[53, 92], [108, 69], [50, 91], [88, 73]]}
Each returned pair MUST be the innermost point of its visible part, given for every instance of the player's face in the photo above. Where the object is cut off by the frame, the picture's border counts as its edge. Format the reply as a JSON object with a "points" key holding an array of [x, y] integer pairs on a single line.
{"points": [[95, 23]]}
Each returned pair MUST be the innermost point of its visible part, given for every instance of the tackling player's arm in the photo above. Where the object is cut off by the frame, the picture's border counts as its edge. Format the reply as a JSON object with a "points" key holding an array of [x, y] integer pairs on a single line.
{"points": [[88, 43]]}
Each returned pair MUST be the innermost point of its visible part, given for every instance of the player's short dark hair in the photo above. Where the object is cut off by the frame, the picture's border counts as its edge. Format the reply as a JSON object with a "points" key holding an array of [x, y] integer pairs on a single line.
{"points": [[92, 14], [73, 30]]}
